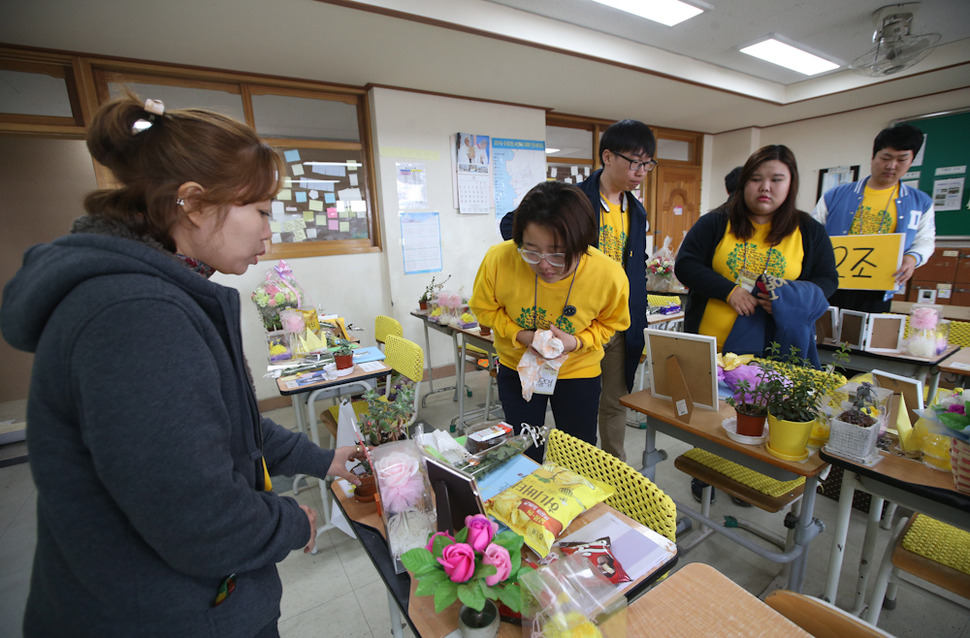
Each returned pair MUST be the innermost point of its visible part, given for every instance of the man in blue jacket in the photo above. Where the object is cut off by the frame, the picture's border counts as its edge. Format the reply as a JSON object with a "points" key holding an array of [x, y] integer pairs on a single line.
{"points": [[881, 204]]}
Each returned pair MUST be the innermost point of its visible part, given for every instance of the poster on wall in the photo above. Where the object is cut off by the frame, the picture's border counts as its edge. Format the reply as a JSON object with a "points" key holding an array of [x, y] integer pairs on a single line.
{"points": [[519, 165], [412, 191], [472, 158], [947, 193], [421, 242]]}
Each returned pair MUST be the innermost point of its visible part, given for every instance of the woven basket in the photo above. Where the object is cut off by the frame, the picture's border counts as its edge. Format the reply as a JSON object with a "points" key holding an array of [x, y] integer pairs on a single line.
{"points": [[960, 461], [852, 441]]}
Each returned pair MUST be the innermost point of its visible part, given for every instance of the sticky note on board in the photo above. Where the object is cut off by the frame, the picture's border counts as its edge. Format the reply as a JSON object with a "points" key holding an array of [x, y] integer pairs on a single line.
{"points": [[333, 225], [345, 227], [299, 235], [275, 227], [353, 179], [308, 215], [316, 205], [292, 155], [284, 195], [311, 233], [301, 196], [321, 220], [297, 169], [278, 208], [330, 198], [332, 213], [314, 194]]}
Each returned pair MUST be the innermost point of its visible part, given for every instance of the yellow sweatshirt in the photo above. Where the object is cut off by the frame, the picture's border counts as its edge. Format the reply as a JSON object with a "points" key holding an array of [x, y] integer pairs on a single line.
{"points": [[506, 290]]}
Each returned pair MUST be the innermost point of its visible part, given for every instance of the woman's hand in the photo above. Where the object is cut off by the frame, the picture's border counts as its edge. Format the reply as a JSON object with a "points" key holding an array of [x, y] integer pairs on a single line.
{"points": [[525, 337], [312, 516], [764, 300], [569, 342], [338, 467], [743, 302]]}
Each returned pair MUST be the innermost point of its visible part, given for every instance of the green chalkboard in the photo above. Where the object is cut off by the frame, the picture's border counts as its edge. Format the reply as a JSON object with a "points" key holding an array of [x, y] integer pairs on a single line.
{"points": [[947, 146]]}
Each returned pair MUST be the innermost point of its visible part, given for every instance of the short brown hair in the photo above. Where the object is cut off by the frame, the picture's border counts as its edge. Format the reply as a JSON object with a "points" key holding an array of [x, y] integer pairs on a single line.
{"points": [[184, 145], [565, 211]]}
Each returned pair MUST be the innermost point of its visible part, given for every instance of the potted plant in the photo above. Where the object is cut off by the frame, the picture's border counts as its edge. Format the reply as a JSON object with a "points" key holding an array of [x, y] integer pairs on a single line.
{"points": [[854, 432], [477, 566], [749, 398], [793, 390], [343, 354], [429, 293], [387, 417]]}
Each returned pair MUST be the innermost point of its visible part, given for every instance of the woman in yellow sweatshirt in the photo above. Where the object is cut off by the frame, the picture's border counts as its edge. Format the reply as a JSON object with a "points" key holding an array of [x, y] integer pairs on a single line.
{"points": [[550, 276]]}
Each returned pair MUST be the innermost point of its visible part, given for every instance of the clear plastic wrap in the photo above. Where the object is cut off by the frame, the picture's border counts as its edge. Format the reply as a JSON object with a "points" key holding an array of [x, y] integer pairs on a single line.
{"points": [[406, 503]]}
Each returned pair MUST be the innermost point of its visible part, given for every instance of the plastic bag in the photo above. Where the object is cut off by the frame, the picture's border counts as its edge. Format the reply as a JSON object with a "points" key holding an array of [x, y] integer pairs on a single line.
{"points": [[278, 292], [571, 598], [660, 268], [531, 367]]}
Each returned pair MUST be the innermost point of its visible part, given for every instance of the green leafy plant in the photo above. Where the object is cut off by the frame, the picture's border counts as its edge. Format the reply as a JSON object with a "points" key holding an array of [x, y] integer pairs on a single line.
{"points": [[860, 413], [343, 348], [793, 388], [431, 289], [748, 390], [387, 417], [474, 566]]}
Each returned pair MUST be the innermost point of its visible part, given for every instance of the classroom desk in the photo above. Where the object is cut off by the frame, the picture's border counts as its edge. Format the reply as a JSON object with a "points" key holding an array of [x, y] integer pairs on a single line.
{"points": [[926, 370], [899, 480], [445, 330], [958, 363], [473, 337], [697, 600], [304, 398], [705, 431], [419, 611]]}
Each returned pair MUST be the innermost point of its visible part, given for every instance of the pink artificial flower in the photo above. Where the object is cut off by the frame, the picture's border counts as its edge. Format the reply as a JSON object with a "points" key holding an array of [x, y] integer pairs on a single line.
{"points": [[458, 561], [400, 481], [956, 407], [430, 545], [481, 531], [497, 556], [923, 319]]}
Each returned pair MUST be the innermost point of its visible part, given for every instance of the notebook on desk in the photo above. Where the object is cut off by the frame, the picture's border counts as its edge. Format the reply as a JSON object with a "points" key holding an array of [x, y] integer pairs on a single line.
{"points": [[366, 355]]}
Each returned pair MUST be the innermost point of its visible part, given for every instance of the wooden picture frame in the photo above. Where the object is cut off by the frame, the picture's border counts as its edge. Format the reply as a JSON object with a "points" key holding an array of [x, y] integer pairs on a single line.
{"points": [[696, 355], [884, 332], [827, 326], [852, 328], [910, 389]]}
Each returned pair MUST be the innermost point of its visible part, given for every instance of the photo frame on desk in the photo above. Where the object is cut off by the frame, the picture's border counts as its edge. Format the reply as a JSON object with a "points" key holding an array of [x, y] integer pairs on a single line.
{"points": [[827, 326], [697, 356], [884, 332], [910, 389], [852, 327], [456, 495]]}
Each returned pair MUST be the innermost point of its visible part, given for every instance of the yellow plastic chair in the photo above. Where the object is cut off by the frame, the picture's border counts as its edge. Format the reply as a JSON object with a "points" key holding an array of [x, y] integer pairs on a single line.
{"points": [[636, 495], [928, 549], [960, 333], [663, 300], [405, 358], [384, 326]]}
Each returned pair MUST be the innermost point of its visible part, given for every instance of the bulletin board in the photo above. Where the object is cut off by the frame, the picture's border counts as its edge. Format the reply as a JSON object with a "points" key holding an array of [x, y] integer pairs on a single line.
{"points": [[322, 197], [946, 150]]}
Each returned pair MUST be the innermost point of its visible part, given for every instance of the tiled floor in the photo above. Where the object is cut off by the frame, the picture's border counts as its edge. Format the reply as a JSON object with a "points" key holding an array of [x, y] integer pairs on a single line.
{"points": [[338, 593]]}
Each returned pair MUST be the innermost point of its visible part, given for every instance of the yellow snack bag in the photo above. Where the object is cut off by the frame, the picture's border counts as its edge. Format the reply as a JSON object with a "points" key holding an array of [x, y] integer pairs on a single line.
{"points": [[541, 505]]}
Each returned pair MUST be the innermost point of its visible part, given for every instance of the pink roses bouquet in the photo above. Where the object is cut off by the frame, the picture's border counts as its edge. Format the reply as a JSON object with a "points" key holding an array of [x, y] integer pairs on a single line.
{"points": [[474, 565]]}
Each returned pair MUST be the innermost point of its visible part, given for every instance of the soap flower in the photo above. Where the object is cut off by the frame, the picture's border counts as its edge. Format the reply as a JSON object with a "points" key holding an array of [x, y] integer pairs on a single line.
{"points": [[451, 568], [400, 480]]}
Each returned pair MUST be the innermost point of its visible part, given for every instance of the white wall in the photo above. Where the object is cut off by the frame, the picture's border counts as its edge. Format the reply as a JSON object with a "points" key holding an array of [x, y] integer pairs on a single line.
{"points": [[843, 139], [411, 127], [415, 127]]}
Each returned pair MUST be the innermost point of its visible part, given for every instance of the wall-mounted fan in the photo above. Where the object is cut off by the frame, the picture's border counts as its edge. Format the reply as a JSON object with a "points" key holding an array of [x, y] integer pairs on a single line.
{"points": [[896, 48]]}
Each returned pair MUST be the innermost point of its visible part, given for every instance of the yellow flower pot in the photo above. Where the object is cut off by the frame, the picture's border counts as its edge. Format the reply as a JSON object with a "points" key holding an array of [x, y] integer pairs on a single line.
{"points": [[788, 440]]}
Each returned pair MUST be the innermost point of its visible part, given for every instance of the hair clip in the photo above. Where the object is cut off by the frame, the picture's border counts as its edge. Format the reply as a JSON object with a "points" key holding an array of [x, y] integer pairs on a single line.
{"points": [[153, 108]]}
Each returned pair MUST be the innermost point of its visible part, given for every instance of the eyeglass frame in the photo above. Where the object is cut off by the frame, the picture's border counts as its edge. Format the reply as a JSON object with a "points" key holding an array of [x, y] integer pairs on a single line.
{"points": [[542, 256], [649, 164]]}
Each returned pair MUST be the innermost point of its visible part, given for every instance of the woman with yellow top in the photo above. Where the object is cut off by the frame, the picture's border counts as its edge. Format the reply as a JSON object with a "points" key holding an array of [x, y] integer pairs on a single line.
{"points": [[736, 259], [550, 277]]}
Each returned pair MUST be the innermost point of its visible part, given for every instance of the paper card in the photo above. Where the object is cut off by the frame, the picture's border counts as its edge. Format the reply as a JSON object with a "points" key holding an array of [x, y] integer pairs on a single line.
{"points": [[326, 186], [311, 233], [296, 169], [332, 213], [276, 238], [292, 155], [301, 196], [321, 220], [867, 262], [308, 215], [349, 194], [275, 227], [299, 235], [284, 195], [314, 194], [316, 205], [329, 198], [358, 206], [278, 208], [353, 179], [345, 227], [333, 224]]}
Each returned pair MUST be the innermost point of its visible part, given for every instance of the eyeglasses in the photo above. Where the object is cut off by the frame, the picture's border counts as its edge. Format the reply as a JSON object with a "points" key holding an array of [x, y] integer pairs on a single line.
{"points": [[556, 260], [647, 165]]}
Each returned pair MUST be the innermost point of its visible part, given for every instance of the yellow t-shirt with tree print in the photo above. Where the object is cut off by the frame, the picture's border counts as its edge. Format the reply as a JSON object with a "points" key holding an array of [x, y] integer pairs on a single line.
{"points": [[783, 260], [877, 212], [614, 230]]}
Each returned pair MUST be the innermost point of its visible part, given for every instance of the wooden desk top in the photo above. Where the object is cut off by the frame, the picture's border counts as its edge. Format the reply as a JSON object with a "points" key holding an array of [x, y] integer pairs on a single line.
{"points": [[697, 600], [900, 356], [959, 363], [421, 608], [282, 383], [707, 424], [908, 470]]}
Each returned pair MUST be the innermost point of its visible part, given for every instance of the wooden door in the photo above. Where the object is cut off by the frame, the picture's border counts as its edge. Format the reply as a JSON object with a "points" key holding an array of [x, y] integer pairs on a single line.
{"points": [[678, 200]]}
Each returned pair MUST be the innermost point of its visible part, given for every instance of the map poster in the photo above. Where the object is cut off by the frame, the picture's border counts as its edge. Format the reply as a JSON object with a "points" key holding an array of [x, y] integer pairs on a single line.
{"points": [[518, 166]]}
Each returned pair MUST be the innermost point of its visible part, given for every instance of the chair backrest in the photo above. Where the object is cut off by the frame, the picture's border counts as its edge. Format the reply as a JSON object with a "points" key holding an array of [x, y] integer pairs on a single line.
{"points": [[406, 358], [636, 496], [384, 326], [819, 618], [663, 300]]}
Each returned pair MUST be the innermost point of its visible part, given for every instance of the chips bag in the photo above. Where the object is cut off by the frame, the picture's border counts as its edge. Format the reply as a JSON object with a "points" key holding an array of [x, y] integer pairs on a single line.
{"points": [[543, 504]]}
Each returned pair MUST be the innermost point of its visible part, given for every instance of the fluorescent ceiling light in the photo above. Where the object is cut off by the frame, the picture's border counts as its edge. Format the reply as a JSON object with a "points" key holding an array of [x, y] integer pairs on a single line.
{"points": [[790, 57], [668, 12], [550, 150]]}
